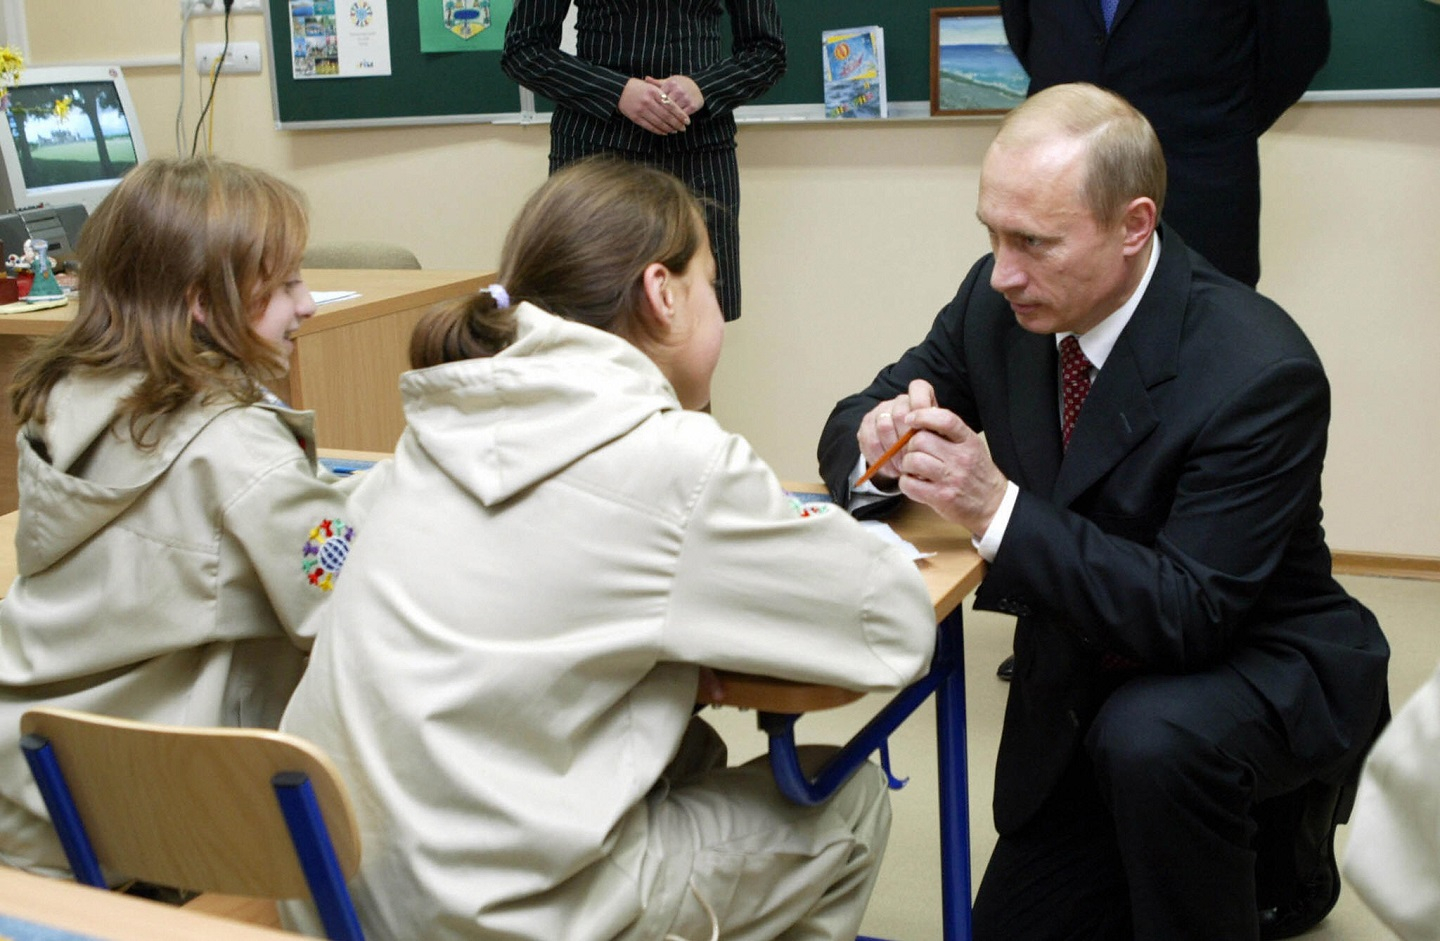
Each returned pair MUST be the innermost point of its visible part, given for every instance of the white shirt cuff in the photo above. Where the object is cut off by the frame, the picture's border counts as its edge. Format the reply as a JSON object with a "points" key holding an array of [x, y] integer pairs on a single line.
{"points": [[989, 544], [867, 494]]}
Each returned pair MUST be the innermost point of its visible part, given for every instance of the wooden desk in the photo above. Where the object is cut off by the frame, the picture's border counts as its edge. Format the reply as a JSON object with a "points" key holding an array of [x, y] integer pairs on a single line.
{"points": [[96, 913], [346, 365]]}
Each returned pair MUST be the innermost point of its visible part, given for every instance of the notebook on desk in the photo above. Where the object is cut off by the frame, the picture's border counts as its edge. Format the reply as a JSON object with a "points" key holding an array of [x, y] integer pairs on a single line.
{"points": [[24, 307], [329, 297], [813, 504]]}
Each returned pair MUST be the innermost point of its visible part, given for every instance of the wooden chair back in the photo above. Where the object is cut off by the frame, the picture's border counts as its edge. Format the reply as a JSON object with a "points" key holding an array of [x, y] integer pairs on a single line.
{"points": [[194, 808]]}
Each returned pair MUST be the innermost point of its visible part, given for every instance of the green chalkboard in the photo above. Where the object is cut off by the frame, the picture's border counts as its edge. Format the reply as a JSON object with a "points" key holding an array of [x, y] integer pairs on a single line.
{"points": [[422, 87], [1381, 49], [1378, 47]]}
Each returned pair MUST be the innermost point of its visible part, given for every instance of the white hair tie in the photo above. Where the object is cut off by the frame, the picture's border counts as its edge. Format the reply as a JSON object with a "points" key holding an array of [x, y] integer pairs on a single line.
{"points": [[502, 296]]}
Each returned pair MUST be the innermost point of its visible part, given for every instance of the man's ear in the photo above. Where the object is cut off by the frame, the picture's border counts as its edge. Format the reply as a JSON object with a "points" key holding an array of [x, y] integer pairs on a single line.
{"points": [[659, 306], [1139, 220]]}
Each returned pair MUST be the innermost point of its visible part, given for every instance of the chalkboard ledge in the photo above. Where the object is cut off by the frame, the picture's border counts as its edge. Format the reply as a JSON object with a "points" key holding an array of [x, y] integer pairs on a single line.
{"points": [[812, 113], [1373, 94], [815, 113], [793, 114]]}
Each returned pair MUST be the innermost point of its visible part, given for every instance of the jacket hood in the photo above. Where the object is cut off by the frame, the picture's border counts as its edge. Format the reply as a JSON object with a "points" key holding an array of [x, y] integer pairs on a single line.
{"points": [[60, 509], [507, 422]]}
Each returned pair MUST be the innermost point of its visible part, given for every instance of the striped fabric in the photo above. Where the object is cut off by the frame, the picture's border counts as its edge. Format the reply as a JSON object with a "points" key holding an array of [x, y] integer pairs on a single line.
{"points": [[621, 39]]}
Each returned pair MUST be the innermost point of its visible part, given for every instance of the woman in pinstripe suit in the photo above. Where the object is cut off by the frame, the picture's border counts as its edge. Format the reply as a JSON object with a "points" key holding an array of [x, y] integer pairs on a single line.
{"points": [[651, 84]]}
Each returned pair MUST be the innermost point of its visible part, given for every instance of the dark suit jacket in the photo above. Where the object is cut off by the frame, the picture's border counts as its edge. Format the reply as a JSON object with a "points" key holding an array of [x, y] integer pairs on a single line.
{"points": [[1181, 529], [1211, 75]]}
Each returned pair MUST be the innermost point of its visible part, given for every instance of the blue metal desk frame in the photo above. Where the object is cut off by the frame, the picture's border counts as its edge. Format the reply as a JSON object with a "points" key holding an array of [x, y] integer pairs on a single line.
{"points": [[946, 680]]}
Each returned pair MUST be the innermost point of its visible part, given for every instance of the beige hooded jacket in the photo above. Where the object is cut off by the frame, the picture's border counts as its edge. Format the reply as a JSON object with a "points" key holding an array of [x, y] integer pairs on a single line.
{"points": [[512, 657], [167, 585]]}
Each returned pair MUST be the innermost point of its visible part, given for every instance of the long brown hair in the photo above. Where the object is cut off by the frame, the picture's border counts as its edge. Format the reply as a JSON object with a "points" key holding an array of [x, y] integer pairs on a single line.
{"points": [[578, 249], [174, 234]]}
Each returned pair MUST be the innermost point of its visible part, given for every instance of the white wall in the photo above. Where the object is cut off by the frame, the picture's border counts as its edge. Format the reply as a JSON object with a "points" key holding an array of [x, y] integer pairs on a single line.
{"points": [[855, 236]]}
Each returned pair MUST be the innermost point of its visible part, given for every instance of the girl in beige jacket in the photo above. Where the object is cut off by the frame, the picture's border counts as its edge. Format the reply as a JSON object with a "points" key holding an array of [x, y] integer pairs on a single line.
{"points": [[507, 672], [174, 533]]}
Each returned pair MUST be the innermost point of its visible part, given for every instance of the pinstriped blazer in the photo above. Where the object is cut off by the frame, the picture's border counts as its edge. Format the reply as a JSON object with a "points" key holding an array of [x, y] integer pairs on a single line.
{"points": [[623, 39]]}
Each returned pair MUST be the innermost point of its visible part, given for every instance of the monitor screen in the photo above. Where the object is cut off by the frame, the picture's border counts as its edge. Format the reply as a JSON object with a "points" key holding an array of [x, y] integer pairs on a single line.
{"points": [[72, 135]]}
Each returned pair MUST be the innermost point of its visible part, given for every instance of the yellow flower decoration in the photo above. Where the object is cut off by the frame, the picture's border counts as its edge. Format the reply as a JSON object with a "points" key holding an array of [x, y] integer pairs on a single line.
{"points": [[11, 63], [62, 107]]}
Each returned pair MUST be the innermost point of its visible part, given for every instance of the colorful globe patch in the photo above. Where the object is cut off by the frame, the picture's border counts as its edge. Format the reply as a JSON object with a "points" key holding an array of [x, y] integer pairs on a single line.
{"points": [[325, 552]]}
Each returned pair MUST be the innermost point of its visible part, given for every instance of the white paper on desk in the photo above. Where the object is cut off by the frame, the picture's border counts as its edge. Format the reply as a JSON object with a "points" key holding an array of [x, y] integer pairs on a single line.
{"points": [[325, 297], [883, 531]]}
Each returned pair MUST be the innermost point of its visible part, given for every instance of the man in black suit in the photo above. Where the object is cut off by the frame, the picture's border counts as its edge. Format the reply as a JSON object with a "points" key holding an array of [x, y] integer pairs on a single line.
{"points": [[1211, 75], [1182, 651]]}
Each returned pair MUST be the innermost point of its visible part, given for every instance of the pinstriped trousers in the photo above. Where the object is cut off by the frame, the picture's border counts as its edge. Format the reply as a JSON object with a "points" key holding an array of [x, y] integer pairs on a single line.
{"points": [[713, 174]]}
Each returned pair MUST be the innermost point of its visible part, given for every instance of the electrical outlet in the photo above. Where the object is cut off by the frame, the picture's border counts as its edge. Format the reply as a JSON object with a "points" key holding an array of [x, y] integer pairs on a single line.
{"points": [[217, 7], [240, 58]]}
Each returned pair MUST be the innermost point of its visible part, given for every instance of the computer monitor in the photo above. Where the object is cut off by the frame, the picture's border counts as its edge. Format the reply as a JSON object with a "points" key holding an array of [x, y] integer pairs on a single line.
{"points": [[72, 135]]}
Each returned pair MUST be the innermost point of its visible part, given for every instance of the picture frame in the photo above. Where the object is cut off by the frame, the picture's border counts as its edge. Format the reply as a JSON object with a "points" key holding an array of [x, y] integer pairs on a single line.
{"points": [[972, 69]]}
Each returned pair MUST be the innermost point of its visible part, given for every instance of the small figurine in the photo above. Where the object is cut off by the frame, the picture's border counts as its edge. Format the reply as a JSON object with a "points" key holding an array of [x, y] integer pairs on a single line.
{"points": [[44, 287]]}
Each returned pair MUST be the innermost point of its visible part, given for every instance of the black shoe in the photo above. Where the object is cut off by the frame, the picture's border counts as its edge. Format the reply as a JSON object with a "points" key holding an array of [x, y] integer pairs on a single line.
{"points": [[1006, 670], [1315, 897], [1297, 880]]}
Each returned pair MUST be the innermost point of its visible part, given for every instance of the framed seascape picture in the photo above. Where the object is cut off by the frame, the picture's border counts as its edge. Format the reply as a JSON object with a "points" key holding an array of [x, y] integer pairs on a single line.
{"points": [[972, 70]]}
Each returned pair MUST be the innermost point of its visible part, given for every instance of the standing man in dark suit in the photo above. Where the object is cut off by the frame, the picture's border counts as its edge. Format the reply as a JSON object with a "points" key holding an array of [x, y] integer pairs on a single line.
{"points": [[1182, 651], [1211, 75], [651, 83]]}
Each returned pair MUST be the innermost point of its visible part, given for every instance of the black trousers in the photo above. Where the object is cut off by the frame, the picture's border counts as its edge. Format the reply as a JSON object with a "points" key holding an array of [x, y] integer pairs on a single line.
{"points": [[713, 174], [1214, 203], [1150, 835]]}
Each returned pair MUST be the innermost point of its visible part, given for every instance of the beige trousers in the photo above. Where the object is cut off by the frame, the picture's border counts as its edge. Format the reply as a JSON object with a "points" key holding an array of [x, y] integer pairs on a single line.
{"points": [[726, 841]]}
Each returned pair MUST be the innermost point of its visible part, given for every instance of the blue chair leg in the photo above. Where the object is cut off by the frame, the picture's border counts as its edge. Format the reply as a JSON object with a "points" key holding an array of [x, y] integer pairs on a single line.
{"points": [[317, 856], [45, 768]]}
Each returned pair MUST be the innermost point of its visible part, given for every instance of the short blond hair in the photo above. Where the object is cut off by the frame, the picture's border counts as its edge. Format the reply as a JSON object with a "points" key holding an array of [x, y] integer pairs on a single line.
{"points": [[1124, 159]]}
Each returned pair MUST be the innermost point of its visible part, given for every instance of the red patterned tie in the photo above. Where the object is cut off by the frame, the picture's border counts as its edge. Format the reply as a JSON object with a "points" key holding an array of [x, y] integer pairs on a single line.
{"points": [[1074, 383]]}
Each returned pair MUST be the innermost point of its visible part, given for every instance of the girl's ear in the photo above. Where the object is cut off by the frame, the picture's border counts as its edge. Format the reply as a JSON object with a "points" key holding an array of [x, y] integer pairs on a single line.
{"points": [[198, 313], [659, 307]]}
